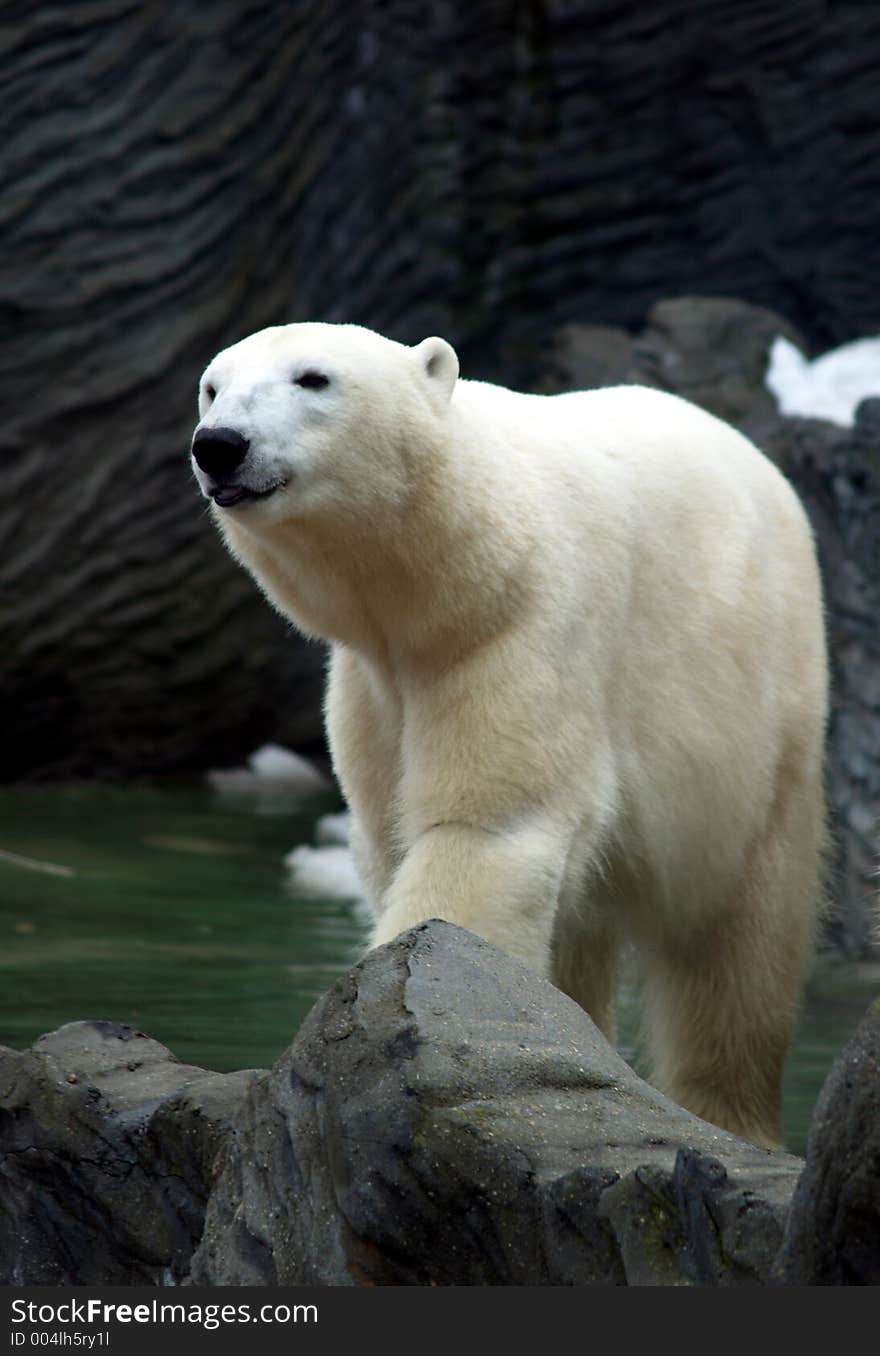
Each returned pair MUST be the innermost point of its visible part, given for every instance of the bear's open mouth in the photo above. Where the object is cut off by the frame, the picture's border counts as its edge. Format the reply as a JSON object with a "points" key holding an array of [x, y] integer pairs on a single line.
{"points": [[227, 496]]}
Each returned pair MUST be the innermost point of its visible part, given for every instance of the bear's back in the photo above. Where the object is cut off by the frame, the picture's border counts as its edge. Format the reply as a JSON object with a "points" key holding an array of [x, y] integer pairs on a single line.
{"points": [[626, 445]]}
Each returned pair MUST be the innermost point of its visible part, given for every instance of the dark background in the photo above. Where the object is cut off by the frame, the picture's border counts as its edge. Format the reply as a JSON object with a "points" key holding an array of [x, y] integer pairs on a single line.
{"points": [[177, 175]]}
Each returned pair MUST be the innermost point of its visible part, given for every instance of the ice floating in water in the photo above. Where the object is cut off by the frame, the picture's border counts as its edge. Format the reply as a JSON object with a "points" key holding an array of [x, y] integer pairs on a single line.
{"points": [[271, 765], [328, 870], [831, 386], [333, 829], [323, 872]]}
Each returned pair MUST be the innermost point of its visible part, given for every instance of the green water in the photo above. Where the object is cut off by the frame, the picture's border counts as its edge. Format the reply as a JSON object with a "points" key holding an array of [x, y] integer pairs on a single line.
{"points": [[171, 911], [176, 920]]}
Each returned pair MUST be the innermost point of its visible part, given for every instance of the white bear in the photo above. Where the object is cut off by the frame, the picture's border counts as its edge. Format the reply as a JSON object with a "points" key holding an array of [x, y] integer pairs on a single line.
{"points": [[577, 688]]}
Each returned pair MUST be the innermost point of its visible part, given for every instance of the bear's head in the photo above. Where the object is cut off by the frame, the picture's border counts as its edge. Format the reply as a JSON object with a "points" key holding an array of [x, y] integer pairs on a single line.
{"points": [[312, 419]]}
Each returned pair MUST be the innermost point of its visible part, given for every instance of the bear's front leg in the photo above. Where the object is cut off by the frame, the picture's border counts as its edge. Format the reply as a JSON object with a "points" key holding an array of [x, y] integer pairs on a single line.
{"points": [[501, 884], [492, 793]]}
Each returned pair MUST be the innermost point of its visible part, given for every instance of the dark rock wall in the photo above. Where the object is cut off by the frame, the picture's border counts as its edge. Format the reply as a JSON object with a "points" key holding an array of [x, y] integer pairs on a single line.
{"points": [[140, 144], [177, 176], [838, 474]]}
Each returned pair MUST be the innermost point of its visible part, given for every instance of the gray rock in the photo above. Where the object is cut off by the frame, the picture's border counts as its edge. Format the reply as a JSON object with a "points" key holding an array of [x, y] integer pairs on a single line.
{"points": [[711, 350], [446, 1117], [106, 1152], [581, 357], [833, 1233], [837, 473]]}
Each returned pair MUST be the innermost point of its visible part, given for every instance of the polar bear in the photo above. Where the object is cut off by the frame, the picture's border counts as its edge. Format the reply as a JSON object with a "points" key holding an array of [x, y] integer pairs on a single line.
{"points": [[577, 688]]}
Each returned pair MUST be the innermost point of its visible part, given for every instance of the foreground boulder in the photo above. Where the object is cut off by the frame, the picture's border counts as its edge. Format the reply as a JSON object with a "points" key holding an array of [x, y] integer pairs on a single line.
{"points": [[444, 1117], [833, 1234], [106, 1146]]}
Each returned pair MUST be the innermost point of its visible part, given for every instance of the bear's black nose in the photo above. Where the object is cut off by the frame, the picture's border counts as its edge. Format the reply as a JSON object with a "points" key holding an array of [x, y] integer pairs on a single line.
{"points": [[219, 451]]}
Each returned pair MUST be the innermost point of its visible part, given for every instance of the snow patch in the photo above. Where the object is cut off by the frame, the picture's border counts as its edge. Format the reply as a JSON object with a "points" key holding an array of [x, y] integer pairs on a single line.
{"points": [[830, 387]]}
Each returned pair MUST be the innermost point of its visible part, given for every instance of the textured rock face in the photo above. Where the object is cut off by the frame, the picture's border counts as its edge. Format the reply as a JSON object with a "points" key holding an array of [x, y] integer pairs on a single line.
{"points": [[838, 474], [833, 1234], [444, 1117], [177, 177], [106, 1152]]}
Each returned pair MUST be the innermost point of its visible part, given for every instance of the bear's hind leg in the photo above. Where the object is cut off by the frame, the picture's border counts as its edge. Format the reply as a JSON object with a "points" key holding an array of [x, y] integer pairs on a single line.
{"points": [[715, 1048], [720, 1007]]}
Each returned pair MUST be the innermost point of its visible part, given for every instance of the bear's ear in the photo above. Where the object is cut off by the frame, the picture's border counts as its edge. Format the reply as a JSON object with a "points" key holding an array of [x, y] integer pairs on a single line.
{"points": [[439, 362]]}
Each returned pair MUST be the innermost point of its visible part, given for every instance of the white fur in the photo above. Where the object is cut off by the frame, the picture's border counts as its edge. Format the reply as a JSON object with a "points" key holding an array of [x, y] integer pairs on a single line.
{"points": [[577, 688]]}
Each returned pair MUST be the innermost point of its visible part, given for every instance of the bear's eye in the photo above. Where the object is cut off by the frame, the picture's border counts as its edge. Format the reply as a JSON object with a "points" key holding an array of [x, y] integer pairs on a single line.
{"points": [[313, 381], [210, 392]]}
